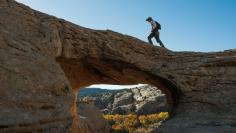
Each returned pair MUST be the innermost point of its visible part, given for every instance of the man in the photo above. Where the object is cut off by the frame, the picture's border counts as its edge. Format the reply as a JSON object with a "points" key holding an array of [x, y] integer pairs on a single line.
{"points": [[154, 33]]}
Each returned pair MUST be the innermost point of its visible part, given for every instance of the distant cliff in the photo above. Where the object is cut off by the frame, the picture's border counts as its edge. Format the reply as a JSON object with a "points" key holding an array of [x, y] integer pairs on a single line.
{"points": [[91, 91], [140, 100]]}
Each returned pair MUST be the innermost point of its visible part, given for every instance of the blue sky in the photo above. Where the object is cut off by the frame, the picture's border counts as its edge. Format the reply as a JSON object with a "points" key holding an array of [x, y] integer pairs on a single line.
{"points": [[187, 25]]}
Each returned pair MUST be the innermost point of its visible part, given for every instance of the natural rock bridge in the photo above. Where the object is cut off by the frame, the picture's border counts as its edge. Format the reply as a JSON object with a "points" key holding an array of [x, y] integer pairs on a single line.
{"points": [[44, 60]]}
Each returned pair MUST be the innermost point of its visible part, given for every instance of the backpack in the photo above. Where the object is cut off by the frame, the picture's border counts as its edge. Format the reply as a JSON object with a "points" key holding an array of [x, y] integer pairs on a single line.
{"points": [[158, 25]]}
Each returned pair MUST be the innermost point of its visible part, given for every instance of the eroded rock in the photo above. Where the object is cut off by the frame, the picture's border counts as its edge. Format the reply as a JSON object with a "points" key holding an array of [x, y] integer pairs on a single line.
{"points": [[91, 119]]}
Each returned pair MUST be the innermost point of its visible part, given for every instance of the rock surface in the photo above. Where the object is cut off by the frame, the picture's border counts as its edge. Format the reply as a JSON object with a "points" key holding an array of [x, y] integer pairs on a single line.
{"points": [[44, 60], [91, 118], [140, 100]]}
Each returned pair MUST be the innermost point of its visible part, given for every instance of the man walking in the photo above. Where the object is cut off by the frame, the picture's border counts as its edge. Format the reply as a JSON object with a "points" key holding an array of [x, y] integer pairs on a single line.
{"points": [[154, 33]]}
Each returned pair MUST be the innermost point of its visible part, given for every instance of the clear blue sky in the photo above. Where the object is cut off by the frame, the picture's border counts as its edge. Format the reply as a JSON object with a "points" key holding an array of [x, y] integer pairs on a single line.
{"points": [[187, 25]]}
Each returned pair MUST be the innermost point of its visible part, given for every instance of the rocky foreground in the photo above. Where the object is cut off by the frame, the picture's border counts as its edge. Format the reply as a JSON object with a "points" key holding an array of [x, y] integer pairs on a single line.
{"points": [[44, 60], [140, 100]]}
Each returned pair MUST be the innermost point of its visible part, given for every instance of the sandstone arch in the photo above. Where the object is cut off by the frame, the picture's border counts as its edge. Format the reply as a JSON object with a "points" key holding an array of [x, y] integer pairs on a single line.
{"points": [[85, 72], [114, 72], [36, 94]]}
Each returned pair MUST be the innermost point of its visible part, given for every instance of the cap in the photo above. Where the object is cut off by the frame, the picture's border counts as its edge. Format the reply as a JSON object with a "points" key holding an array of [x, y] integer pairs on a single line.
{"points": [[149, 18]]}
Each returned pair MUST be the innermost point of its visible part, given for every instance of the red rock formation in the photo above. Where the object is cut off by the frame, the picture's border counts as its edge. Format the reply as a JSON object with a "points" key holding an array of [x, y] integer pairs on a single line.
{"points": [[45, 60]]}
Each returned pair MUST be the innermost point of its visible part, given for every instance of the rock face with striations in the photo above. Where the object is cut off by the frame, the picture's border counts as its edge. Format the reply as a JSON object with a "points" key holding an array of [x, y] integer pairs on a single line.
{"points": [[140, 100], [44, 60]]}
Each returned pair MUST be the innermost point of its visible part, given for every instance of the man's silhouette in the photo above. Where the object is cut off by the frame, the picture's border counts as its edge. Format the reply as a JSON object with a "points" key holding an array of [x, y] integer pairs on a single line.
{"points": [[154, 33]]}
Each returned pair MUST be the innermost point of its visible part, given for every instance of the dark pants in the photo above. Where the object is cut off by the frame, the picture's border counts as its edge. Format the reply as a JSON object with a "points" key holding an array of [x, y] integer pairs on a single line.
{"points": [[156, 35]]}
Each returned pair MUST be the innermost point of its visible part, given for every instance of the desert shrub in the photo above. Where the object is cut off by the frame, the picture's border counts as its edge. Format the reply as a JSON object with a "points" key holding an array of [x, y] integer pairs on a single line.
{"points": [[128, 123], [163, 115], [153, 118]]}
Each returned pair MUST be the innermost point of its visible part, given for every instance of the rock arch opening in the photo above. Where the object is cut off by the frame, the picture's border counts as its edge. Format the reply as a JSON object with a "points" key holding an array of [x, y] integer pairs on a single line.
{"points": [[125, 108], [124, 99], [89, 71]]}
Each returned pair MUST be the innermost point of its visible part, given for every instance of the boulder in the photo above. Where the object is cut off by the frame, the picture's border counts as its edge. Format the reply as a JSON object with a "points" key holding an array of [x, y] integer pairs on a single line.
{"points": [[92, 119]]}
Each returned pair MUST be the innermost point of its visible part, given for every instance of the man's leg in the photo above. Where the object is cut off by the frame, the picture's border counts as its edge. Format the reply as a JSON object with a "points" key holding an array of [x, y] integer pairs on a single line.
{"points": [[150, 38], [157, 37]]}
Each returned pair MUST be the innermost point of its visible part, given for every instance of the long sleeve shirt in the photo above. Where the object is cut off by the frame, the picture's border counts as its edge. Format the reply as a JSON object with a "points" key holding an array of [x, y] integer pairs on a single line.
{"points": [[154, 25]]}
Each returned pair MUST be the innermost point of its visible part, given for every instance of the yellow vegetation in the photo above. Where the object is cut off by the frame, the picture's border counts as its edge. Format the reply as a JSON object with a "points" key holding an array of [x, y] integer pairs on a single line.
{"points": [[128, 123]]}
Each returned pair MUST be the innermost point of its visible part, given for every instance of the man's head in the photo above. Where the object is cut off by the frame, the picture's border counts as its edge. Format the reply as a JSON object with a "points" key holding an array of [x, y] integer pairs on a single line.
{"points": [[149, 19]]}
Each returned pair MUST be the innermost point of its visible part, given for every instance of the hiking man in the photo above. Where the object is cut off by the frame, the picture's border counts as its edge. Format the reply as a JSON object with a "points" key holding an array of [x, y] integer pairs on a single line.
{"points": [[154, 32]]}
